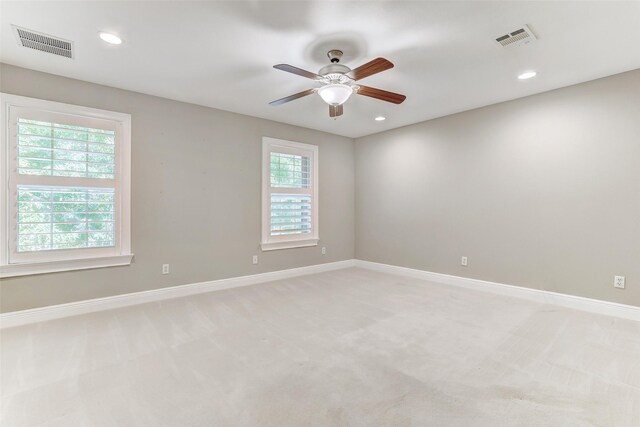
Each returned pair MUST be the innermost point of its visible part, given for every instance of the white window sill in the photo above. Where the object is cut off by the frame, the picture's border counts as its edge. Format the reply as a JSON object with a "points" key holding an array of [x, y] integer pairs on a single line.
{"points": [[26, 269], [289, 244]]}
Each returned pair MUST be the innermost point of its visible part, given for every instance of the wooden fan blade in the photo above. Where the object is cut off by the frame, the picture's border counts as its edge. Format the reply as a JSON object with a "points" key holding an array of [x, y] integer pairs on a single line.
{"points": [[292, 97], [372, 67], [335, 110], [383, 95], [299, 71]]}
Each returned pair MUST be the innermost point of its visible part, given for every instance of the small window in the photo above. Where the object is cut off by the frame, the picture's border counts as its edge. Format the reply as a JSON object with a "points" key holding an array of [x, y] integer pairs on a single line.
{"points": [[67, 187], [289, 194]]}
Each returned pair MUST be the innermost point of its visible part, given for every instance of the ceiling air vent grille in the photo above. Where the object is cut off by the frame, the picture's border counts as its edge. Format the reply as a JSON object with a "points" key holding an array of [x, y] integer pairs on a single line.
{"points": [[44, 43], [518, 37]]}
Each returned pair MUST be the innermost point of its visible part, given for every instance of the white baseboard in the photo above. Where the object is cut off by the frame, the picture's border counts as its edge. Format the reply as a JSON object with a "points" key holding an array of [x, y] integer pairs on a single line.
{"points": [[18, 318], [546, 297]]}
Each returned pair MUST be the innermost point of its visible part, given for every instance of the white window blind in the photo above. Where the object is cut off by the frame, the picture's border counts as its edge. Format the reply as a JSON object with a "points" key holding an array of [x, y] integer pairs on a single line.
{"points": [[68, 185], [56, 149], [290, 203], [290, 214], [51, 218], [290, 171]]}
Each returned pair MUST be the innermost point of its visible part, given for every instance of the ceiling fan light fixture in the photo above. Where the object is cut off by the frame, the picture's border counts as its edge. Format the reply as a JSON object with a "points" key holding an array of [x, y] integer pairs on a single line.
{"points": [[335, 94]]}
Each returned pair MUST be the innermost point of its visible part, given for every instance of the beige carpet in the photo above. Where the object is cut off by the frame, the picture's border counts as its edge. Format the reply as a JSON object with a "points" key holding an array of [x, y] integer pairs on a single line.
{"points": [[345, 348]]}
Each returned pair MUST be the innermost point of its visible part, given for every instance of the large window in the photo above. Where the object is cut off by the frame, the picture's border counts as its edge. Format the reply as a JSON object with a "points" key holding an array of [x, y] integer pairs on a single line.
{"points": [[289, 194], [65, 187]]}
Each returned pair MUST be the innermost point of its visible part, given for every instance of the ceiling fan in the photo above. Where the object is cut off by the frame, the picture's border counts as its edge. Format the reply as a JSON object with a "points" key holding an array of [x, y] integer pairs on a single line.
{"points": [[338, 82]]}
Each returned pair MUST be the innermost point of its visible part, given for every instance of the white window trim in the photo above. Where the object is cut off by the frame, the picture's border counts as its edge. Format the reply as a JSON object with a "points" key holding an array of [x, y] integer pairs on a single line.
{"points": [[88, 258], [269, 242]]}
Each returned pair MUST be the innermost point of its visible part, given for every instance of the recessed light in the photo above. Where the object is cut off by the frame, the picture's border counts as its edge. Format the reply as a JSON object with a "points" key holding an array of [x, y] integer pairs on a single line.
{"points": [[380, 118], [110, 38], [526, 75]]}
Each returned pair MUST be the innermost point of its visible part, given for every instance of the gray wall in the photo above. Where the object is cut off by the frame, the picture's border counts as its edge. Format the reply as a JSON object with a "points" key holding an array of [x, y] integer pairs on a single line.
{"points": [[195, 195], [542, 192]]}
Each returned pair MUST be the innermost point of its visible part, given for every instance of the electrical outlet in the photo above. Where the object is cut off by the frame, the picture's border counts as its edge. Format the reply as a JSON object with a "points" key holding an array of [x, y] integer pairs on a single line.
{"points": [[255, 259], [618, 282], [324, 250], [165, 268], [464, 261]]}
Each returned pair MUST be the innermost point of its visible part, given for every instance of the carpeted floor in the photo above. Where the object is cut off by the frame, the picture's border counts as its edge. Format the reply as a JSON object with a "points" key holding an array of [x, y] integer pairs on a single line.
{"points": [[345, 348]]}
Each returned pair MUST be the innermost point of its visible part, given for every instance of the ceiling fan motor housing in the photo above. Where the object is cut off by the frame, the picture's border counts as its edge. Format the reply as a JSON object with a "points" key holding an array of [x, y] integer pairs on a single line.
{"points": [[334, 69]]}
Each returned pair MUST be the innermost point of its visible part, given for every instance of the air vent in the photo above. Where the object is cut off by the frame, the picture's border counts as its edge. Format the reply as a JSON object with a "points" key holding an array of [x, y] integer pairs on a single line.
{"points": [[518, 37], [44, 43]]}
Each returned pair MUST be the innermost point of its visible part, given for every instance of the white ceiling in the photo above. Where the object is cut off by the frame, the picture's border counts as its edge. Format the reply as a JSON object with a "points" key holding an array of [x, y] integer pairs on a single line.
{"points": [[220, 54]]}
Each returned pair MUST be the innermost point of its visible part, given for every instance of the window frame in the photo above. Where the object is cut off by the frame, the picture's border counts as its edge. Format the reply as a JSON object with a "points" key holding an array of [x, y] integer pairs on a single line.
{"points": [[269, 242], [13, 263]]}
